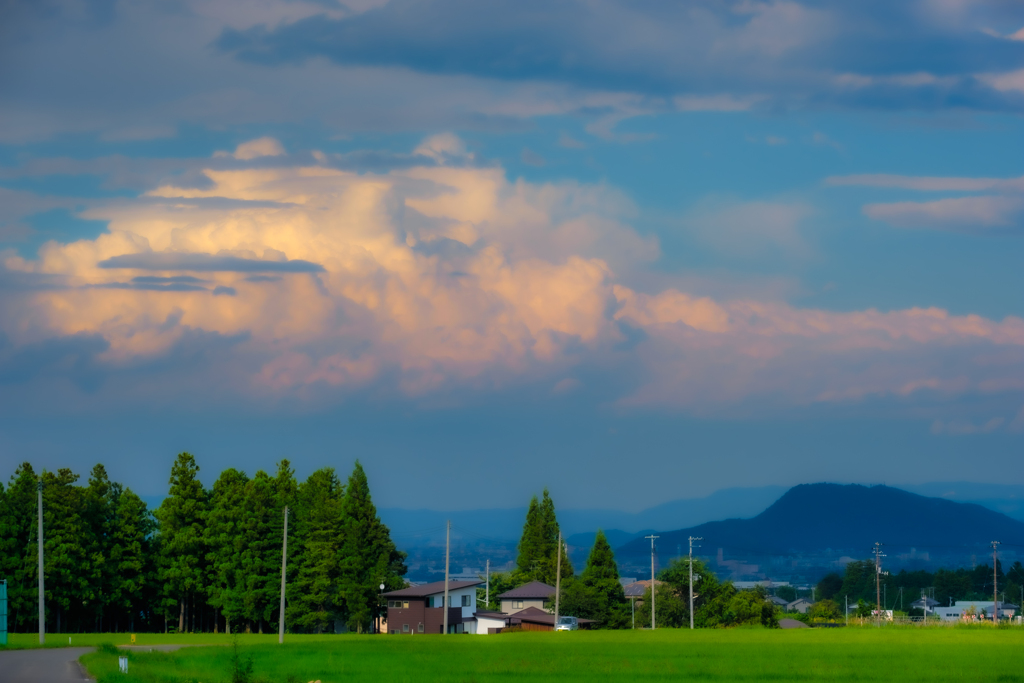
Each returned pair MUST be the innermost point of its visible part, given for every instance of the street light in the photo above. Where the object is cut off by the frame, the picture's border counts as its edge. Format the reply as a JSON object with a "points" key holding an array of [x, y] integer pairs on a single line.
{"points": [[381, 616]]}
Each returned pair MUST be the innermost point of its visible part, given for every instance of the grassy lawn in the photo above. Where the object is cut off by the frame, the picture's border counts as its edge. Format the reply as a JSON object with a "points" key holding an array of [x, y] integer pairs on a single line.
{"points": [[937, 654]]}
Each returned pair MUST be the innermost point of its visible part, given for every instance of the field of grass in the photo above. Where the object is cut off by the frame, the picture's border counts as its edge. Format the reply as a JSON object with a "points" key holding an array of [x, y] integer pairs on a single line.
{"points": [[946, 654], [21, 641]]}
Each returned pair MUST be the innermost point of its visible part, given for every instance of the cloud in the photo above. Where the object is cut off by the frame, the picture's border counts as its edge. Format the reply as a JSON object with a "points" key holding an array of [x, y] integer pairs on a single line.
{"points": [[751, 229], [972, 215], [964, 427], [254, 149], [989, 214], [720, 56], [452, 280], [206, 263], [929, 183]]}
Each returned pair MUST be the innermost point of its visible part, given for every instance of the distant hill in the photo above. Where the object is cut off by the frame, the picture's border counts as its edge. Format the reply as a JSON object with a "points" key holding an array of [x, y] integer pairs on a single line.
{"points": [[817, 517]]}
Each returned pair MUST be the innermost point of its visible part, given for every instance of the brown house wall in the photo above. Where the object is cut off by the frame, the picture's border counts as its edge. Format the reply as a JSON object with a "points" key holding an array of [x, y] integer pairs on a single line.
{"points": [[527, 626], [418, 613]]}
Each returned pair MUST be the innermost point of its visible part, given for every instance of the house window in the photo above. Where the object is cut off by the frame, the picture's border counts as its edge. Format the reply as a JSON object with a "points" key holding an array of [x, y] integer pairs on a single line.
{"points": [[517, 604], [419, 627], [405, 628], [466, 602], [398, 604]]}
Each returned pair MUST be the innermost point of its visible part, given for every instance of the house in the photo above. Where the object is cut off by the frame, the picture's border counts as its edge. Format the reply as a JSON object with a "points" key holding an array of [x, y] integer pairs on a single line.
{"points": [[533, 594], [800, 605], [535, 619], [636, 590], [420, 609], [970, 610], [778, 602], [926, 604]]}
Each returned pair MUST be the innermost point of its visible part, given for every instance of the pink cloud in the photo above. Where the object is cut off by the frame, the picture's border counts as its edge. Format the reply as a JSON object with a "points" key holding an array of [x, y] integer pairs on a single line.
{"points": [[437, 279]]}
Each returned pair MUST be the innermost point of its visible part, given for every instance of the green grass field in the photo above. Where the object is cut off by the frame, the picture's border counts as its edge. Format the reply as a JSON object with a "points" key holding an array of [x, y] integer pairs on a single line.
{"points": [[862, 654]]}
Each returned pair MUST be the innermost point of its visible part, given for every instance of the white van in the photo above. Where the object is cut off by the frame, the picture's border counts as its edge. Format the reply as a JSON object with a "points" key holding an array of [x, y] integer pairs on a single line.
{"points": [[567, 624]]}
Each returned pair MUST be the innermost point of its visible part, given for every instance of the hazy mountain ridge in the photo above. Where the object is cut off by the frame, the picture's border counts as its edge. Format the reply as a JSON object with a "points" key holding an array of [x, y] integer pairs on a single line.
{"points": [[817, 517]]}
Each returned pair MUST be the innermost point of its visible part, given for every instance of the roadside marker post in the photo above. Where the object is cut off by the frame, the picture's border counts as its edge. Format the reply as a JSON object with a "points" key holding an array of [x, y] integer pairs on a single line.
{"points": [[3, 612]]}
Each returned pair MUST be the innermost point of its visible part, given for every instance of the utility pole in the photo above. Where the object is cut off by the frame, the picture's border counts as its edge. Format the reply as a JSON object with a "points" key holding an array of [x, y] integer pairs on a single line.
{"points": [[487, 590], [692, 539], [558, 577], [447, 549], [652, 537], [995, 583], [284, 567], [42, 592], [847, 599], [878, 581]]}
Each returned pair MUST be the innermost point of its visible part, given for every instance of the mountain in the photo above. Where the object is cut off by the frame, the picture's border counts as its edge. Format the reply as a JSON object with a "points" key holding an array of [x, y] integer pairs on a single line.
{"points": [[817, 517], [1005, 498], [422, 527]]}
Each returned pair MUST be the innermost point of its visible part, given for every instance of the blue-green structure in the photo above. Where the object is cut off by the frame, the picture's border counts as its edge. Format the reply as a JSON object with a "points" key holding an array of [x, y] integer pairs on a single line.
{"points": [[3, 612]]}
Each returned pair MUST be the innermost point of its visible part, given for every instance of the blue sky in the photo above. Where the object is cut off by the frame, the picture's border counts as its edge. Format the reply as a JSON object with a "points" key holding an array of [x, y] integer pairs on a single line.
{"points": [[489, 248]]}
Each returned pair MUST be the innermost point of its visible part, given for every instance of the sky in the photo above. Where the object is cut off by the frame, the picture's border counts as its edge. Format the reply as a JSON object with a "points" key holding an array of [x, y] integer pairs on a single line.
{"points": [[632, 252]]}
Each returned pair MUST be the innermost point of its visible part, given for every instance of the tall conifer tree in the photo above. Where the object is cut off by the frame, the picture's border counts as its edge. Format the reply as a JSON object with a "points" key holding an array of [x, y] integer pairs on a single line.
{"points": [[315, 600], [261, 529], [67, 565], [368, 557], [100, 503], [224, 542], [182, 516], [22, 603], [131, 556]]}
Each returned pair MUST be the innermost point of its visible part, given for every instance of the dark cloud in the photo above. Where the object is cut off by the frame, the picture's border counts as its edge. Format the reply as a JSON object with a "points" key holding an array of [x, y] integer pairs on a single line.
{"points": [[263, 278], [788, 49], [227, 291], [207, 263], [72, 357]]}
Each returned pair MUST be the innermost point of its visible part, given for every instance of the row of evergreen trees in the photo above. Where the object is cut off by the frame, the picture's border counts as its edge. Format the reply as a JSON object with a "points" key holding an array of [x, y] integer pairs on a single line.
{"points": [[857, 584], [596, 593], [205, 559]]}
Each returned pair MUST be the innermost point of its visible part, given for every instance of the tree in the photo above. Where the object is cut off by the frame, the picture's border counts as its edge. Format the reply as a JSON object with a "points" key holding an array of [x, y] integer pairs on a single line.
{"points": [[315, 601], [601, 576], [750, 608], [825, 610], [261, 530], [368, 557], [711, 597], [131, 555], [829, 586], [67, 565], [99, 509], [670, 607], [537, 560], [21, 565], [224, 542], [182, 516]]}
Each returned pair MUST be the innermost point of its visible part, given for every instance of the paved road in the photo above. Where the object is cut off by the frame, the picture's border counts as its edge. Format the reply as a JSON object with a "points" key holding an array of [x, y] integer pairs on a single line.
{"points": [[55, 665]]}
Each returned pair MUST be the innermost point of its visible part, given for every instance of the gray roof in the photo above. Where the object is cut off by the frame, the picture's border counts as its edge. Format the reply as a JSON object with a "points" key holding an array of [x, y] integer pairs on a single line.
{"points": [[533, 590], [637, 588], [430, 589], [539, 616]]}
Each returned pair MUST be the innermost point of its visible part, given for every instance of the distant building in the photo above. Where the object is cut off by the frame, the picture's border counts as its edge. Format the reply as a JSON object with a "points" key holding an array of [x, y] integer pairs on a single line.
{"points": [[926, 604], [533, 594], [777, 601], [800, 605], [962, 609], [420, 609], [635, 591]]}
